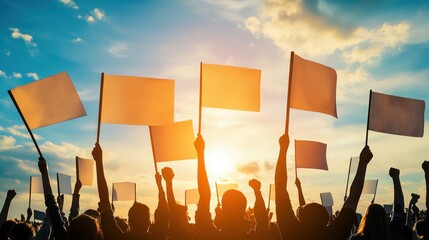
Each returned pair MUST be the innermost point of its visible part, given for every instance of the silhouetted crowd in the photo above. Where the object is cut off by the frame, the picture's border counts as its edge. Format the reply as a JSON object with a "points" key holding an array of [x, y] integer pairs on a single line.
{"points": [[232, 221]]}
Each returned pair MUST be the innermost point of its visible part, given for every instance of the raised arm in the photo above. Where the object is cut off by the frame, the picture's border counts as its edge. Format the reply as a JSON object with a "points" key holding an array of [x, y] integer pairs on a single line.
{"points": [[74, 209], [261, 214], [58, 227], [162, 202], [398, 196], [203, 181], [300, 194], [357, 184], [168, 175], [103, 191], [411, 207], [280, 178], [5, 210], [425, 166]]}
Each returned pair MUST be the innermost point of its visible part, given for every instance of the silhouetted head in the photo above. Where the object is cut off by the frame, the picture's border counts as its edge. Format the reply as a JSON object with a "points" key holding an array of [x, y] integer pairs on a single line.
{"points": [[233, 205], [22, 231], [84, 227], [422, 229], [5, 229], [374, 224], [313, 216], [139, 218], [93, 213]]}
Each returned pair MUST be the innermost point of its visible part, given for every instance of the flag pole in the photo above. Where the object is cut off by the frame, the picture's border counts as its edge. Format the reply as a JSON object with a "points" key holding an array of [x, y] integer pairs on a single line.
{"points": [[58, 185], [153, 150], [367, 121], [185, 199], [113, 187], [269, 198], [289, 90], [29, 193], [201, 99], [296, 171], [217, 193], [100, 107], [25, 123], [135, 192], [348, 176], [77, 168], [375, 193]]}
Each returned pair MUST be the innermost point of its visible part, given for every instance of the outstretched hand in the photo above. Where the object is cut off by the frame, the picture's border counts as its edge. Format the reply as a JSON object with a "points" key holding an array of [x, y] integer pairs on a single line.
{"points": [[284, 141], [43, 167], [158, 179], [167, 174], [199, 144], [29, 213], [365, 155], [394, 172], [255, 185], [77, 186], [97, 152], [414, 198], [425, 166], [10, 194]]}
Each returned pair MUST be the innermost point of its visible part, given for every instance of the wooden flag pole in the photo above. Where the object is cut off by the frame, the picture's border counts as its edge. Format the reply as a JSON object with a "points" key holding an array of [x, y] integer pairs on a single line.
{"points": [[375, 193], [269, 198], [289, 90], [135, 192], [77, 168], [348, 176], [185, 199], [367, 121], [113, 189], [29, 194], [25, 123], [153, 150], [100, 107], [201, 99], [58, 185], [217, 194]]}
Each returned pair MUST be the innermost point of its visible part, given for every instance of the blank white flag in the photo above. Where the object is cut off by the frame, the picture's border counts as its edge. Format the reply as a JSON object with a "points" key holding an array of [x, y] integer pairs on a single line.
{"points": [[39, 215], [310, 154], [64, 183], [36, 184], [124, 191], [370, 186], [192, 196], [272, 192], [223, 187], [85, 170], [327, 199]]}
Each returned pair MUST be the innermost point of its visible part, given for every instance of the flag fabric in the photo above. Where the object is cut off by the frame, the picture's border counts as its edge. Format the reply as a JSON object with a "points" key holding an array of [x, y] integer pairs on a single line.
{"points": [[137, 100], [48, 101], [388, 207], [313, 87], [309, 154], [39, 215], [370, 186], [173, 142], [85, 171], [36, 184], [64, 184], [124, 191], [354, 165], [272, 192], [396, 115], [223, 187], [192, 196], [327, 199], [230, 87]]}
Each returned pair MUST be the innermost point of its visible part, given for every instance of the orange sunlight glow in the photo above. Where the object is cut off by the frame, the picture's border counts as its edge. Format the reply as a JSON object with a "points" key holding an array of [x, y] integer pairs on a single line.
{"points": [[218, 160]]}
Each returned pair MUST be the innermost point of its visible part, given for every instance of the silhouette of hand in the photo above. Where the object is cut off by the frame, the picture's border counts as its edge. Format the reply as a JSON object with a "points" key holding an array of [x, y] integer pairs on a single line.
{"points": [[297, 182], [77, 186], [218, 210], [425, 166], [255, 184], [43, 167], [167, 174], [10, 194], [365, 155], [284, 141], [414, 198], [394, 173], [158, 179], [22, 218], [29, 213], [60, 200], [97, 152], [199, 144]]}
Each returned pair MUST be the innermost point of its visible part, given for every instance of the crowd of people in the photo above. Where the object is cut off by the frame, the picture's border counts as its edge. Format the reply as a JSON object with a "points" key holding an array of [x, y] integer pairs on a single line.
{"points": [[231, 221]]}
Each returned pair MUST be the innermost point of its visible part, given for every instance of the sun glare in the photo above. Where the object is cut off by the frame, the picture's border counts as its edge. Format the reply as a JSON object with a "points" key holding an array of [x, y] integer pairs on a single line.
{"points": [[218, 160]]}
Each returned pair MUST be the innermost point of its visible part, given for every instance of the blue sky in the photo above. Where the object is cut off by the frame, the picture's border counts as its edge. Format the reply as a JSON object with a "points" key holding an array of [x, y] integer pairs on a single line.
{"points": [[379, 45]]}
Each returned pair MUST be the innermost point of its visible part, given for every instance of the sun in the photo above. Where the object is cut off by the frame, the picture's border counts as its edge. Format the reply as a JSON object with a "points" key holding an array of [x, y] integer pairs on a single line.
{"points": [[218, 160]]}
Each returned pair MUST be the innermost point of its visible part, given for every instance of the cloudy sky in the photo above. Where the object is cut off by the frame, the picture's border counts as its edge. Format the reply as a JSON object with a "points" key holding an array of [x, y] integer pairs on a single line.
{"points": [[378, 45]]}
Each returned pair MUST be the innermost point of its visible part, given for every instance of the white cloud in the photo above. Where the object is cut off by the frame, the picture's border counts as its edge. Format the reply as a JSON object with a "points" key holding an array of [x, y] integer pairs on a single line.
{"points": [[90, 19], [118, 49], [33, 75], [28, 39], [20, 131], [77, 40], [65, 150], [16, 75], [70, 3], [293, 27], [1, 129], [7, 142], [253, 24], [3, 74], [7, 53], [99, 14]]}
